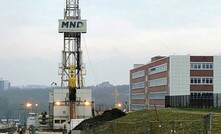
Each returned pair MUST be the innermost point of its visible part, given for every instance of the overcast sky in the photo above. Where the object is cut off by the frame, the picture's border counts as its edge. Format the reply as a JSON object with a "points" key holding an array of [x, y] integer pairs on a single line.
{"points": [[120, 33]]}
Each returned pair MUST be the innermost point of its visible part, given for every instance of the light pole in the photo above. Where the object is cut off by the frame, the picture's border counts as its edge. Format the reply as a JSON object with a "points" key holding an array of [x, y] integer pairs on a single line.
{"points": [[28, 106], [36, 109], [24, 112]]}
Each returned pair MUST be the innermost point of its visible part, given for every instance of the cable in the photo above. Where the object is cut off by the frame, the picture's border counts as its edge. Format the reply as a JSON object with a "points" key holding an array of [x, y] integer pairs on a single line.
{"points": [[90, 60]]}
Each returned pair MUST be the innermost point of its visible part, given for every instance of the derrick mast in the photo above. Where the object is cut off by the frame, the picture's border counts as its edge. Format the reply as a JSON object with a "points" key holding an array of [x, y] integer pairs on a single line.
{"points": [[71, 67]]}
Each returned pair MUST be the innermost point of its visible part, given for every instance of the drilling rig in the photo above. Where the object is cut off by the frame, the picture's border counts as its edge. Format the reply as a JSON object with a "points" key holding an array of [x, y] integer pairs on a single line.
{"points": [[68, 100]]}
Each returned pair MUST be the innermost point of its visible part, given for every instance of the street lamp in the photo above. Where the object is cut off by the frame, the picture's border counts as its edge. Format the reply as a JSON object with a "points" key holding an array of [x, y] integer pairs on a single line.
{"points": [[119, 105], [36, 106], [87, 103], [28, 105], [57, 103]]}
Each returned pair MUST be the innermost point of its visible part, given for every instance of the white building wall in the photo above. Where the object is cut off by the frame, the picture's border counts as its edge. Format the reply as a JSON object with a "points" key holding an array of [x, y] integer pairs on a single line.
{"points": [[62, 111], [217, 74], [61, 95], [179, 75], [84, 111]]}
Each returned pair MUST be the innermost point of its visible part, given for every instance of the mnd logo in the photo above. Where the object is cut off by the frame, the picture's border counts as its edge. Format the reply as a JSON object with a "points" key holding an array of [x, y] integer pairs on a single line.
{"points": [[72, 24]]}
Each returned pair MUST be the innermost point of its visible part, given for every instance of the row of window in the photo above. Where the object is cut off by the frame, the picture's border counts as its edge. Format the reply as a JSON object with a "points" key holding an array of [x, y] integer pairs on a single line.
{"points": [[163, 81], [59, 121], [137, 96], [137, 85], [157, 69], [163, 67], [201, 95], [153, 95], [201, 66], [137, 107], [157, 95], [201, 80], [157, 82], [138, 74]]}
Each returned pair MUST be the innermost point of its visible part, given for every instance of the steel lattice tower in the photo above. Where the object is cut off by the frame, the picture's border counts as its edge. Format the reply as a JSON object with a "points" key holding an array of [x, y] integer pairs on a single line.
{"points": [[71, 67], [71, 54]]}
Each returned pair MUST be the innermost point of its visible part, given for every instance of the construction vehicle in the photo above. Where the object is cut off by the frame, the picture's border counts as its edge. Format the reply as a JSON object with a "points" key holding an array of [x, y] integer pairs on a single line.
{"points": [[31, 120]]}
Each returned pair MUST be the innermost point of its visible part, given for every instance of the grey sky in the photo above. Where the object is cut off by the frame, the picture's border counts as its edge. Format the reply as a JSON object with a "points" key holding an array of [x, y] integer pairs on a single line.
{"points": [[120, 33]]}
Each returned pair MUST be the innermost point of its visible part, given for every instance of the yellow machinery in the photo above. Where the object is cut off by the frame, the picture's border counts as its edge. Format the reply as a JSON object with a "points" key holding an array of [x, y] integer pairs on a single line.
{"points": [[72, 91], [72, 79]]}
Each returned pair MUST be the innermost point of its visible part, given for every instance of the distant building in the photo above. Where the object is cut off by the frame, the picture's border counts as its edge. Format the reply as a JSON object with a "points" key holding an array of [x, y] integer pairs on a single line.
{"points": [[35, 87], [4, 85], [105, 84], [175, 75]]}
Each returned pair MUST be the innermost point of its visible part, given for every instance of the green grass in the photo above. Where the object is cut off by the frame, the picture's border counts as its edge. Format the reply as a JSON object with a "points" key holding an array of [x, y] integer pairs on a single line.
{"points": [[161, 115], [184, 121]]}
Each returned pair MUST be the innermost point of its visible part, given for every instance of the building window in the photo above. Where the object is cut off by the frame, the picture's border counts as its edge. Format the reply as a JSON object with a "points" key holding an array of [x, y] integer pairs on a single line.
{"points": [[152, 69], [211, 65], [192, 80], [62, 121], [195, 66], [211, 80], [199, 95], [201, 66], [157, 69], [158, 82], [137, 107], [138, 74], [198, 80], [137, 96], [57, 121], [157, 95], [137, 85], [203, 80]]}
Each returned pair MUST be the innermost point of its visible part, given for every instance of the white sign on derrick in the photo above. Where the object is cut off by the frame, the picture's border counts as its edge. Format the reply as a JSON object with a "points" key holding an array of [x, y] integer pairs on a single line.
{"points": [[72, 26]]}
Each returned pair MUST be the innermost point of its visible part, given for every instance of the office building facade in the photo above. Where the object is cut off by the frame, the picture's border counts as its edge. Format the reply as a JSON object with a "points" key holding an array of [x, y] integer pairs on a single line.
{"points": [[175, 75]]}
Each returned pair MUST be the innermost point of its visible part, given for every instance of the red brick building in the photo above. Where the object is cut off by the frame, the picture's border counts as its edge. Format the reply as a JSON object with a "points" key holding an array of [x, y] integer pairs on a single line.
{"points": [[172, 76]]}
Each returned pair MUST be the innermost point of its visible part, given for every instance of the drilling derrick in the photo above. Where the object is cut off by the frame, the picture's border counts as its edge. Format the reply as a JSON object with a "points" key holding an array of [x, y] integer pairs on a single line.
{"points": [[71, 67]]}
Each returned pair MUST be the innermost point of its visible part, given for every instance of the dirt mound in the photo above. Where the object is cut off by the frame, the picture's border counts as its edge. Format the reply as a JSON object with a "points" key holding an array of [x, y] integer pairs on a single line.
{"points": [[108, 115]]}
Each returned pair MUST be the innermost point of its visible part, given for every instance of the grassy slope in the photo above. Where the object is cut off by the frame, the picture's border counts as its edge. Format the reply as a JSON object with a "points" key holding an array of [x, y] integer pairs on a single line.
{"points": [[144, 121]]}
